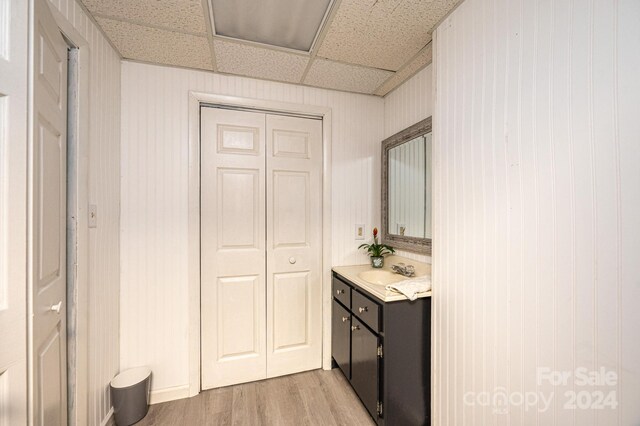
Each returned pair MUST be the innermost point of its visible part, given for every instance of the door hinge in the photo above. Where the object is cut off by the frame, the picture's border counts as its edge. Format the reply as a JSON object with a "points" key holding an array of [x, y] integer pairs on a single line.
{"points": [[379, 409], [379, 351]]}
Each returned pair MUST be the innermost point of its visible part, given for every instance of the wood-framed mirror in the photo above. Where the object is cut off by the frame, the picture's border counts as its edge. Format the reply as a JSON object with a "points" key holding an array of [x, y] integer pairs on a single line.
{"points": [[407, 189]]}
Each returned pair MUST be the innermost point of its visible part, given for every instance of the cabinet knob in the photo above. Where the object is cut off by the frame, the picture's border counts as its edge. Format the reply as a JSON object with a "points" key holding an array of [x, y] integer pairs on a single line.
{"points": [[340, 291], [292, 260], [355, 327], [361, 309], [345, 319]]}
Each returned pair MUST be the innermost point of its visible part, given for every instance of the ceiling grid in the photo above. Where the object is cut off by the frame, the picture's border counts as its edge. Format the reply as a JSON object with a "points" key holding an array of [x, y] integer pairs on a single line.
{"points": [[362, 46]]}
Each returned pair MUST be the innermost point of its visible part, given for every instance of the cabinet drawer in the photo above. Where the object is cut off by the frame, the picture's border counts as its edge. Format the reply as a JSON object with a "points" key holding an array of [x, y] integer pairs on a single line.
{"points": [[367, 310], [342, 292]]}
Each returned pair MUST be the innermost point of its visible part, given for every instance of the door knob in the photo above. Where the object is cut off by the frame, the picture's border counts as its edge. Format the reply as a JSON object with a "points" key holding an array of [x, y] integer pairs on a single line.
{"points": [[56, 308], [355, 327], [292, 260]]}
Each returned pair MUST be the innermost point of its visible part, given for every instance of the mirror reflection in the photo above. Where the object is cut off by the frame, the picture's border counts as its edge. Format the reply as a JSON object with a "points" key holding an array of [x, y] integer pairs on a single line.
{"points": [[409, 186]]}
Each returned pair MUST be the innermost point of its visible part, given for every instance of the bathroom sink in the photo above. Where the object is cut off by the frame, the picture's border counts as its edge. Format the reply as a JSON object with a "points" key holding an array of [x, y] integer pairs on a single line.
{"points": [[381, 277]]}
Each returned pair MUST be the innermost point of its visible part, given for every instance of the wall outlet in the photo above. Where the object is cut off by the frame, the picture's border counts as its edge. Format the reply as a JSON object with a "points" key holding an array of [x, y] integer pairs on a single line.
{"points": [[359, 232]]}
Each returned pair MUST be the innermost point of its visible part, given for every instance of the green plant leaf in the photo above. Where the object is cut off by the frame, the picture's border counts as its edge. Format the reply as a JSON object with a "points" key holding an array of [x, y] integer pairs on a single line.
{"points": [[377, 250]]}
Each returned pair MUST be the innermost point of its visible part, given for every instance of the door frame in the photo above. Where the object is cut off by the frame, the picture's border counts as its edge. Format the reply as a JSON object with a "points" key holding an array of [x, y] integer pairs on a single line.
{"points": [[81, 194], [196, 99]]}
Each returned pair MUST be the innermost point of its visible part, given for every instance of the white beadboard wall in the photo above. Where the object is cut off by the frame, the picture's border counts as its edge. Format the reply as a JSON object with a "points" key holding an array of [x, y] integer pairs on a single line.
{"points": [[104, 192], [154, 187], [537, 196], [406, 105], [409, 103]]}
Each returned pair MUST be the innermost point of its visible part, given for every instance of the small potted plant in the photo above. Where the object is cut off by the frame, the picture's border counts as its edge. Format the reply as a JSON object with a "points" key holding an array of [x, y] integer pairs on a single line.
{"points": [[377, 251]]}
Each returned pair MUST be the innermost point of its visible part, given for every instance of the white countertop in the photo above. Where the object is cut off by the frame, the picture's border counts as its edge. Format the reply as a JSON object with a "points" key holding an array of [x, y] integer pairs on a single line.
{"points": [[351, 273]]}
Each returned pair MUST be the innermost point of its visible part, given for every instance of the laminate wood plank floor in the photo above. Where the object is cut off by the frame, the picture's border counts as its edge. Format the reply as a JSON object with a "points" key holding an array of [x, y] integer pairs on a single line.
{"points": [[315, 397]]}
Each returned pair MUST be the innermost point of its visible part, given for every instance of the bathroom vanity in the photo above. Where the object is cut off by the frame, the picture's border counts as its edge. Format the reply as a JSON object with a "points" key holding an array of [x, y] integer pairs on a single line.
{"points": [[381, 341]]}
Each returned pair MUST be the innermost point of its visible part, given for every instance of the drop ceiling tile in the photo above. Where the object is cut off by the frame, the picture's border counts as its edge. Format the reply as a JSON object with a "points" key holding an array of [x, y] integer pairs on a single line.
{"points": [[253, 61], [382, 33], [423, 58], [159, 46], [351, 78], [176, 15]]}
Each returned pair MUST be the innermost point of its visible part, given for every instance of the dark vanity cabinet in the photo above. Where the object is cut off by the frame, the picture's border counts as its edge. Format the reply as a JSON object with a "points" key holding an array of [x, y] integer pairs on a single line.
{"points": [[383, 349]]}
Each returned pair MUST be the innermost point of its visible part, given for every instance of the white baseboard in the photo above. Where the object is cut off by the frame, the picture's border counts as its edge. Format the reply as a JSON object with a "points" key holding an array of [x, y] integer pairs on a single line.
{"points": [[169, 394]]}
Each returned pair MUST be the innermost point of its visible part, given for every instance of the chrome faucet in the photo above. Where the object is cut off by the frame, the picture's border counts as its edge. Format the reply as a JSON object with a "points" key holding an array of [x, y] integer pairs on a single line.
{"points": [[402, 269]]}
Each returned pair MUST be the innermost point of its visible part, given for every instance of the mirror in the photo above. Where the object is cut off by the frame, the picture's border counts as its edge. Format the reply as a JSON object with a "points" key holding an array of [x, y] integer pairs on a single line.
{"points": [[406, 188], [410, 188]]}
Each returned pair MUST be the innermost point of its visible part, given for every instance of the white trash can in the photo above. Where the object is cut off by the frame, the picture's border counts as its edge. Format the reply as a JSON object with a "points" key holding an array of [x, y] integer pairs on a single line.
{"points": [[130, 395]]}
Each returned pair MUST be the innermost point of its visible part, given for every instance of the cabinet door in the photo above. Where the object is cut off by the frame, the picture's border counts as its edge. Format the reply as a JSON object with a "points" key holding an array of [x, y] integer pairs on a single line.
{"points": [[341, 338], [364, 365]]}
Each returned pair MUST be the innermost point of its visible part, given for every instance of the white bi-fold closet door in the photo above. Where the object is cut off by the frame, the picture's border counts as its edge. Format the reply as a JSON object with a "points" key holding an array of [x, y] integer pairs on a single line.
{"points": [[261, 245]]}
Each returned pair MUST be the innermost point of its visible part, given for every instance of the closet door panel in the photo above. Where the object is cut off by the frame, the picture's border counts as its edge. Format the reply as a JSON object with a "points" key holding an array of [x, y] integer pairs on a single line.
{"points": [[233, 314], [294, 244]]}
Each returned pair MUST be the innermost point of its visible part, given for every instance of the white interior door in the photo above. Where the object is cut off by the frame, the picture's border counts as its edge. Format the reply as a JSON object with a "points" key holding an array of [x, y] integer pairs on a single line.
{"points": [[261, 246], [13, 229], [48, 222], [233, 315], [294, 244]]}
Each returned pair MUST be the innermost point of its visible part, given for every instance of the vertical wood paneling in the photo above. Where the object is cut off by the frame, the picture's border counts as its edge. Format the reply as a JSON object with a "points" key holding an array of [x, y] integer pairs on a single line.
{"points": [[5, 14], [154, 189], [104, 192], [4, 211], [410, 103], [536, 199]]}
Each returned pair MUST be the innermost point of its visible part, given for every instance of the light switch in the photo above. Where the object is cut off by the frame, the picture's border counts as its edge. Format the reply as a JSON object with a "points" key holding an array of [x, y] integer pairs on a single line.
{"points": [[359, 232], [93, 216]]}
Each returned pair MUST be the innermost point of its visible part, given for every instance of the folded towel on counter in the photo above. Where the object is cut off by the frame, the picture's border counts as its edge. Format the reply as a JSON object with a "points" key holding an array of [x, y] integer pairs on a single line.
{"points": [[411, 287]]}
